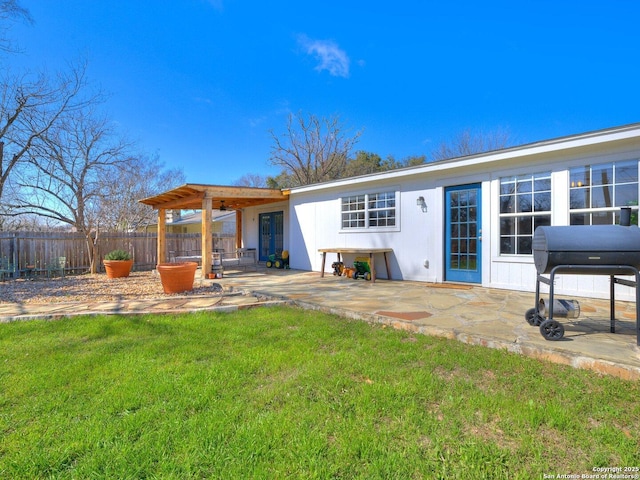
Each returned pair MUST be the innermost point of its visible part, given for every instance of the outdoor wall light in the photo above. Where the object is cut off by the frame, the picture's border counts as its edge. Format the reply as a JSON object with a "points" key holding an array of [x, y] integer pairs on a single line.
{"points": [[421, 203]]}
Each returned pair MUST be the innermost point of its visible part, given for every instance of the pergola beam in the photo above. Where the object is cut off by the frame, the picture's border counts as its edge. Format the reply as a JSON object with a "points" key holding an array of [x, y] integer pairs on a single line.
{"points": [[177, 202]]}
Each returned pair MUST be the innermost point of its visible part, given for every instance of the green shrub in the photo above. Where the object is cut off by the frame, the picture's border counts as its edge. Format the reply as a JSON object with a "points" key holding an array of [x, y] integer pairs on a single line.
{"points": [[117, 255]]}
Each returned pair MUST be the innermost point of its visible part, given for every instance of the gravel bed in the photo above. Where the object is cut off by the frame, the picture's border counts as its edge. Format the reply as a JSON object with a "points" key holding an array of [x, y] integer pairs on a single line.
{"points": [[92, 288]]}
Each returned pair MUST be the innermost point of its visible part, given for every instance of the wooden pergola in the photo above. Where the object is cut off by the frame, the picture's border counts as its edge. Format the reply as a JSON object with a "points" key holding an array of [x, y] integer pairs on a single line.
{"points": [[192, 196]]}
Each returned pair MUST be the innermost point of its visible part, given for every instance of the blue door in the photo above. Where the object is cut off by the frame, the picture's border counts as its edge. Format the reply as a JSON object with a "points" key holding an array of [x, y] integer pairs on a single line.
{"points": [[271, 234], [463, 234]]}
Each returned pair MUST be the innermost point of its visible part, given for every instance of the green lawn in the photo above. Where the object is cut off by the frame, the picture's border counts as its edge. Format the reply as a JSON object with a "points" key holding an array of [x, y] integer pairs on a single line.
{"points": [[286, 393]]}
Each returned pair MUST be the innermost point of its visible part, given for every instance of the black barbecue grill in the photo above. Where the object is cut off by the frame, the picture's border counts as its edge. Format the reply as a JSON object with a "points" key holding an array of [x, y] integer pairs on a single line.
{"points": [[583, 250]]}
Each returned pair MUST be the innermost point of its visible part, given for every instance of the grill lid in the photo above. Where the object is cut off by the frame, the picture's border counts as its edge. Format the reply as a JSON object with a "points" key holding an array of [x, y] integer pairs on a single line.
{"points": [[586, 245]]}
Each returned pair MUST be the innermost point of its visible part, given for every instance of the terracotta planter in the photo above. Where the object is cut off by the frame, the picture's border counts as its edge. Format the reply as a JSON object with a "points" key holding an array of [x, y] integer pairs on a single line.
{"points": [[117, 268], [177, 277]]}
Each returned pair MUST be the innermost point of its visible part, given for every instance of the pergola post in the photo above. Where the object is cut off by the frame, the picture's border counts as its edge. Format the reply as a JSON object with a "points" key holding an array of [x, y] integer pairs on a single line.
{"points": [[162, 236], [207, 244], [238, 228]]}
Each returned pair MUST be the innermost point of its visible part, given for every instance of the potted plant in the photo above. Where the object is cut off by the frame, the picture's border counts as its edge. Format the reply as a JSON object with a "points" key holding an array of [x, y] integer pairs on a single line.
{"points": [[118, 264], [177, 277]]}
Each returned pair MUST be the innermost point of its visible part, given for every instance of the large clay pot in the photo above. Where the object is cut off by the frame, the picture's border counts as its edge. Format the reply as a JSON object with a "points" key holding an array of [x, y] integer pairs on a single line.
{"points": [[177, 277], [117, 268]]}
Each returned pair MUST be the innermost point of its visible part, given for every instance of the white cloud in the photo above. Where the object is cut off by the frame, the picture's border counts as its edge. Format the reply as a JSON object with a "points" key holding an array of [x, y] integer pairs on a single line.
{"points": [[257, 121], [330, 57], [217, 4], [206, 101]]}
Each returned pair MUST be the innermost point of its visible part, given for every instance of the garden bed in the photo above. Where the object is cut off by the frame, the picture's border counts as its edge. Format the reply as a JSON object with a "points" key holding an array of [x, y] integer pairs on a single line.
{"points": [[88, 288]]}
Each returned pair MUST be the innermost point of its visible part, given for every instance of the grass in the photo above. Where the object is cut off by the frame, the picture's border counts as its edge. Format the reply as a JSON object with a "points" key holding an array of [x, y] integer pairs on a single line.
{"points": [[285, 393]]}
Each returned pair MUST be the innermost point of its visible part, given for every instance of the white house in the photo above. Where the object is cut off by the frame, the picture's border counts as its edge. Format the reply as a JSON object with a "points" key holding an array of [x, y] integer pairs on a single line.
{"points": [[468, 219]]}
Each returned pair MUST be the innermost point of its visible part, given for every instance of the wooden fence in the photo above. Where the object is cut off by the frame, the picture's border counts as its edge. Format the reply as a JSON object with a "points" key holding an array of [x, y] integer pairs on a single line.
{"points": [[39, 252]]}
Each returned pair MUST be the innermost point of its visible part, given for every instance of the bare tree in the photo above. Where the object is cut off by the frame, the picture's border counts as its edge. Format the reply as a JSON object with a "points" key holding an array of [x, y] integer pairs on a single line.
{"points": [[251, 180], [10, 10], [137, 177], [312, 149], [29, 107], [66, 172], [28, 223], [469, 143]]}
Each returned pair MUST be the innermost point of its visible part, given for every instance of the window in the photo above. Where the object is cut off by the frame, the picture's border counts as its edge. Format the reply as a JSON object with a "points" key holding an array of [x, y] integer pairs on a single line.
{"points": [[596, 192], [371, 210], [525, 204], [353, 212], [382, 209]]}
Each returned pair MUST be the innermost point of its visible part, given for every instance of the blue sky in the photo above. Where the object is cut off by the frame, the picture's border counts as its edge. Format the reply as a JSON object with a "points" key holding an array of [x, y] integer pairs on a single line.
{"points": [[201, 82]]}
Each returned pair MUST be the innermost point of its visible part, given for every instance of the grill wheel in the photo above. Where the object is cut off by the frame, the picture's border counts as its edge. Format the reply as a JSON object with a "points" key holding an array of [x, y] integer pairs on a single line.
{"points": [[552, 330], [533, 318]]}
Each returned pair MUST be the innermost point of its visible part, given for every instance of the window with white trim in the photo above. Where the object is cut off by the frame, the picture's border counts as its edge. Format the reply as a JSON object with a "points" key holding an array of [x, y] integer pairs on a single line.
{"points": [[525, 204], [353, 211], [596, 192], [369, 210]]}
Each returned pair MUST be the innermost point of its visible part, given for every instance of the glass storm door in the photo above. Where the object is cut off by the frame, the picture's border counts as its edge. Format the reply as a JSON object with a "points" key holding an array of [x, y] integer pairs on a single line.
{"points": [[463, 234], [271, 234]]}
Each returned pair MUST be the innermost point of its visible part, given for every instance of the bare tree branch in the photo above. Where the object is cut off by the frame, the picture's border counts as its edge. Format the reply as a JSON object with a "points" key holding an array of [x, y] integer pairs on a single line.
{"points": [[10, 11], [312, 149], [469, 143], [140, 176], [251, 180], [30, 106]]}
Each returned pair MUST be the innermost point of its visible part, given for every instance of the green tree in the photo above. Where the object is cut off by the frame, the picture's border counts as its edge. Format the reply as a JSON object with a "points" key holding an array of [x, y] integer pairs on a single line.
{"points": [[363, 164], [366, 162]]}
